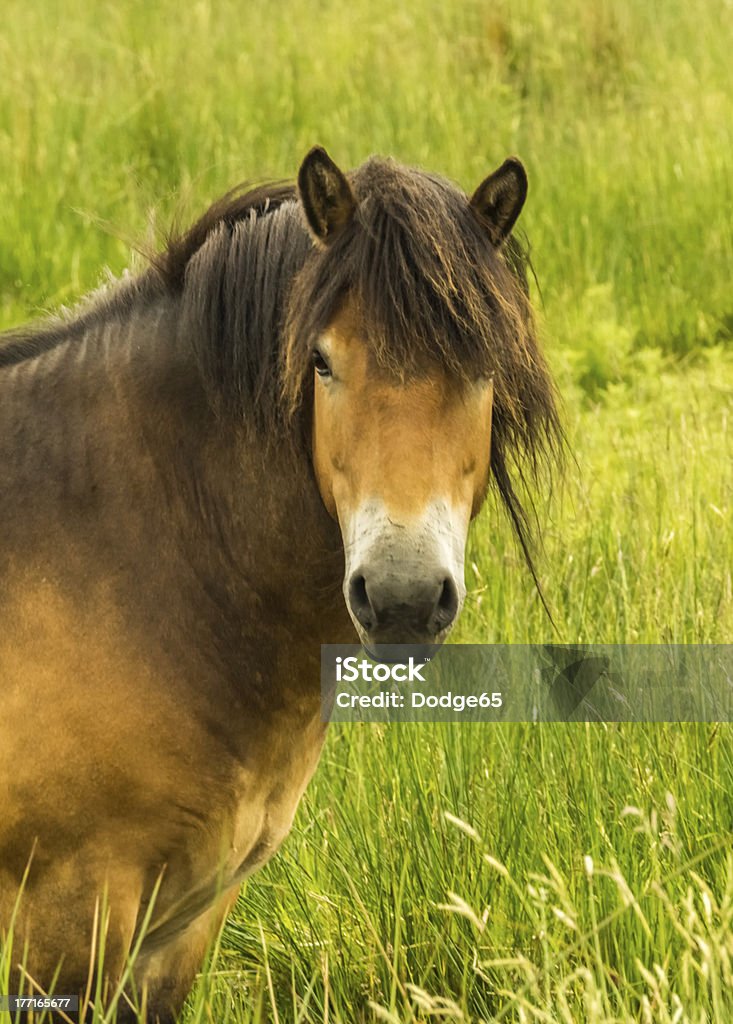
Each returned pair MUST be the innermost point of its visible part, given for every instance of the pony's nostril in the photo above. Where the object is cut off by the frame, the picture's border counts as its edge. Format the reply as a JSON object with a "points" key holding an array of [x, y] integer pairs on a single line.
{"points": [[359, 601], [447, 606], [410, 608]]}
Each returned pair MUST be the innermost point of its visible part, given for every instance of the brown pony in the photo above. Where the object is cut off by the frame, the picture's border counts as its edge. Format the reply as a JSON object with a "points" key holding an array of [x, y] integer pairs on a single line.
{"points": [[274, 436]]}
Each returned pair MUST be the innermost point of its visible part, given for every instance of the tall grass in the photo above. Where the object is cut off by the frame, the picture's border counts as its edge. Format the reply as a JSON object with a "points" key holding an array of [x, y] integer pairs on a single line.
{"points": [[516, 873], [623, 114]]}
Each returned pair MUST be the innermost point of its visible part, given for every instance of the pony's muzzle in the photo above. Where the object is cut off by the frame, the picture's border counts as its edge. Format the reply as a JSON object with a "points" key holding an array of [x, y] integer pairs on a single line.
{"points": [[393, 610]]}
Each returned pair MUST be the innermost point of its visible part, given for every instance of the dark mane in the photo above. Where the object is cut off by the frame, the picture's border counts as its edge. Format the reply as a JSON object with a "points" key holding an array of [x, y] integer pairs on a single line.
{"points": [[233, 272], [240, 204]]}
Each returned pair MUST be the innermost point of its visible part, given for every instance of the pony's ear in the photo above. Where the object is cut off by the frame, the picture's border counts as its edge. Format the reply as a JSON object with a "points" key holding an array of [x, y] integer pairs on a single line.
{"points": [[500, 197], [326, 195]]}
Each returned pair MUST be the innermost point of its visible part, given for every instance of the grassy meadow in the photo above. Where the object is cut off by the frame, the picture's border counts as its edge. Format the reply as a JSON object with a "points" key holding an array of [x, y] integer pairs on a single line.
{"points": [[517, 873]]}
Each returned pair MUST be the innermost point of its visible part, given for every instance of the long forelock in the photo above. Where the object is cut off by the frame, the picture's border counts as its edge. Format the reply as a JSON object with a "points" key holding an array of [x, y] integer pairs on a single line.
{"points": [[428, 287]]}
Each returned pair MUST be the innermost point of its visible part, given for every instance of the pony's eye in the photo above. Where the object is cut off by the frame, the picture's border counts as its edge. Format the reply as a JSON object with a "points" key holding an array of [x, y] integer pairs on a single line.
{"points": [[322, 367]]}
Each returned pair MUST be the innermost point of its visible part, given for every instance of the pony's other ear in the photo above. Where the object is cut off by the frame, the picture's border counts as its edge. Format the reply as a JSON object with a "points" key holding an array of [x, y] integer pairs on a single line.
{"points": [[500, 197], [326, 195]]}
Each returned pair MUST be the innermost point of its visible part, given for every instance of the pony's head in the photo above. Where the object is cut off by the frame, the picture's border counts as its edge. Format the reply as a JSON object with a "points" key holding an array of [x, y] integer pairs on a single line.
{"points": [[409, 333]]}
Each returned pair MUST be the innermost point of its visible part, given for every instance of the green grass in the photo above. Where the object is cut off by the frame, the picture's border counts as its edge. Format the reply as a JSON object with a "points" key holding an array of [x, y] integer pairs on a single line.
{"points": [[638, 545], [115, 117], [623, 115]]}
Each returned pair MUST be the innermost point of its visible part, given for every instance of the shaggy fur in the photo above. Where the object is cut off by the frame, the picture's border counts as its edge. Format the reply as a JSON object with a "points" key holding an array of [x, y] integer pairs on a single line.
{"points": [[431, 288]]}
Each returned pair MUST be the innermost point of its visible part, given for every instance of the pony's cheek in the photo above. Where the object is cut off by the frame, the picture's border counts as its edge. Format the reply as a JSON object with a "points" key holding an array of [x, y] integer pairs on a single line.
{"points": [[329, 470], [333, 449], [325, 481]]}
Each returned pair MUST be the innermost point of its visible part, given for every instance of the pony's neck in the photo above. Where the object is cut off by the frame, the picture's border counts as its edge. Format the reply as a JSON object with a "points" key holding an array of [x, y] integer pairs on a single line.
{"points": [[245, 508], [198, 528]]}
